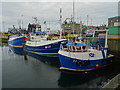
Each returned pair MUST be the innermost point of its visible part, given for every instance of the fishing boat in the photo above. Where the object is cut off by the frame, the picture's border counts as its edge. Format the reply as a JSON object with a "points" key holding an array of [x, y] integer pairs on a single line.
{"points": [[17, 37], [84, 57], [43, 45], [17, 41]]}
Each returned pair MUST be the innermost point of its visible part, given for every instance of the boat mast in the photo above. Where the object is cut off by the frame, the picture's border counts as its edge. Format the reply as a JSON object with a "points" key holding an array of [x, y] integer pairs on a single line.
{"points": [[80, 28], [46, 27], [87, 20], [73, 19], [35, 22], [60, 23], [106, 39], [21, 21]]}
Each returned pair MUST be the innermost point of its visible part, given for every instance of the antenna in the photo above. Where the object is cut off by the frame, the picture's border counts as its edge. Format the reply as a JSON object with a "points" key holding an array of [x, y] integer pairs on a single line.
{"points": [[21, 21], [60, 23], [45, 25], [87, 19], [73, 17], [91, 21], [35, 18]]}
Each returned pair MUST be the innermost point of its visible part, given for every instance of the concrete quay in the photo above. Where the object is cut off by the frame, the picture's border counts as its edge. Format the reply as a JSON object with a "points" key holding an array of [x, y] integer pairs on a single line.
{"points": [[113, 83]]}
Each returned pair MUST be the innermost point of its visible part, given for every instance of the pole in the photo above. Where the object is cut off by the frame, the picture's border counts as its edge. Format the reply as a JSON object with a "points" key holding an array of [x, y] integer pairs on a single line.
{"points": [[80, 28], [46, 28], [91, 21], [21, 21], [94, 33], [87, 20], [73, 18], [60, 23], [106, 39]]}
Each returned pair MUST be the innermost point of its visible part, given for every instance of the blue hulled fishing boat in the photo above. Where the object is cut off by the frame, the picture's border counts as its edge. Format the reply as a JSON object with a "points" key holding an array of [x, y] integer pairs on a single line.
{"points": [[43, 45], [17, 37], [16, 41], [84, 57]]}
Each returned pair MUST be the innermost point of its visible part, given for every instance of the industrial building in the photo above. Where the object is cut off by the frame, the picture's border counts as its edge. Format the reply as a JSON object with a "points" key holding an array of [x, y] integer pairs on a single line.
{"points": [[114, 25], [71, 28]]}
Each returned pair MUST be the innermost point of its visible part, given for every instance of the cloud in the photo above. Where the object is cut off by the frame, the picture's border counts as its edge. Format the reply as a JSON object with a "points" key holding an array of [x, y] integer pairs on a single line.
{"points": [[99, 12], [60, 1], [1, 16]]}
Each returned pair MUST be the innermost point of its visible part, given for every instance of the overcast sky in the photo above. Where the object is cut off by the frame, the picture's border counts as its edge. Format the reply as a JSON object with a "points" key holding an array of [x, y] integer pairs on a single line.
{"points": [[13, 12]]}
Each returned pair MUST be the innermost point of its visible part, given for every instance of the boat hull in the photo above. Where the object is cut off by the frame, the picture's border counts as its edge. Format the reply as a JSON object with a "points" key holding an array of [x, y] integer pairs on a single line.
{"points": [[16, 41], [50, 50], [73, 64]]}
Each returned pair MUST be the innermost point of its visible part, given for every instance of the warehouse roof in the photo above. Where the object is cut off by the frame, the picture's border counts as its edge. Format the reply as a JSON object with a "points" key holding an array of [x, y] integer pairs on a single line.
{"points": [[114, 17]]}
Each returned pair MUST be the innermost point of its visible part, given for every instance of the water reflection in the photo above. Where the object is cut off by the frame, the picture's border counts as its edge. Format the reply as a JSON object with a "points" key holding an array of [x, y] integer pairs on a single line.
{"points": [[16, 50], [3, 44], [48, 60], [92, 79], [54, 61], [77, 80]]}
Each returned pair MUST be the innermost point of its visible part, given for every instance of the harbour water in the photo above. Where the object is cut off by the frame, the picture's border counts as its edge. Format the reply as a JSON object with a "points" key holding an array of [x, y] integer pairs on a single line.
{"points": [[26, 70]]}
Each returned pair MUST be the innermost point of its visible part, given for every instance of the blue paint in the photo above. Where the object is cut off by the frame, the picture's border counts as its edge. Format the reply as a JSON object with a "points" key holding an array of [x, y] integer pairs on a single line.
{"points": [[103, 54], [102, 42], [75, 44], [69, 63], [53, 48], [17, 42], [17, 50]]}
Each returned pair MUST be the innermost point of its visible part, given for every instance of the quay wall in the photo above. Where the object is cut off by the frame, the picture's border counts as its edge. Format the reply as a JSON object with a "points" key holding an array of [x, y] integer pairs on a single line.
{"points": [[114, 83]]}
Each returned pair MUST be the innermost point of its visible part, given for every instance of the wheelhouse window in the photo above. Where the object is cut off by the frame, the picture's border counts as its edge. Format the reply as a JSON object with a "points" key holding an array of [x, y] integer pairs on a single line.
{"points": [[84, 47], [78, 48], [75, 48], [37, 34]]}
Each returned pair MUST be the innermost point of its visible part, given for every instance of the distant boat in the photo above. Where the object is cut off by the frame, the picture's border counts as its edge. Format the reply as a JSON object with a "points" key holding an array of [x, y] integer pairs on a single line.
{"points": [[17, 37], [40, 43], [84, 57], [17, 41]]}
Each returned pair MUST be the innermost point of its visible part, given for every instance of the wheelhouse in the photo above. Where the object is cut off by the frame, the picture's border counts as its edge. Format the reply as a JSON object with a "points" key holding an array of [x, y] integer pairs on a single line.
{"points": [[36, 36], [75, 47]]}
